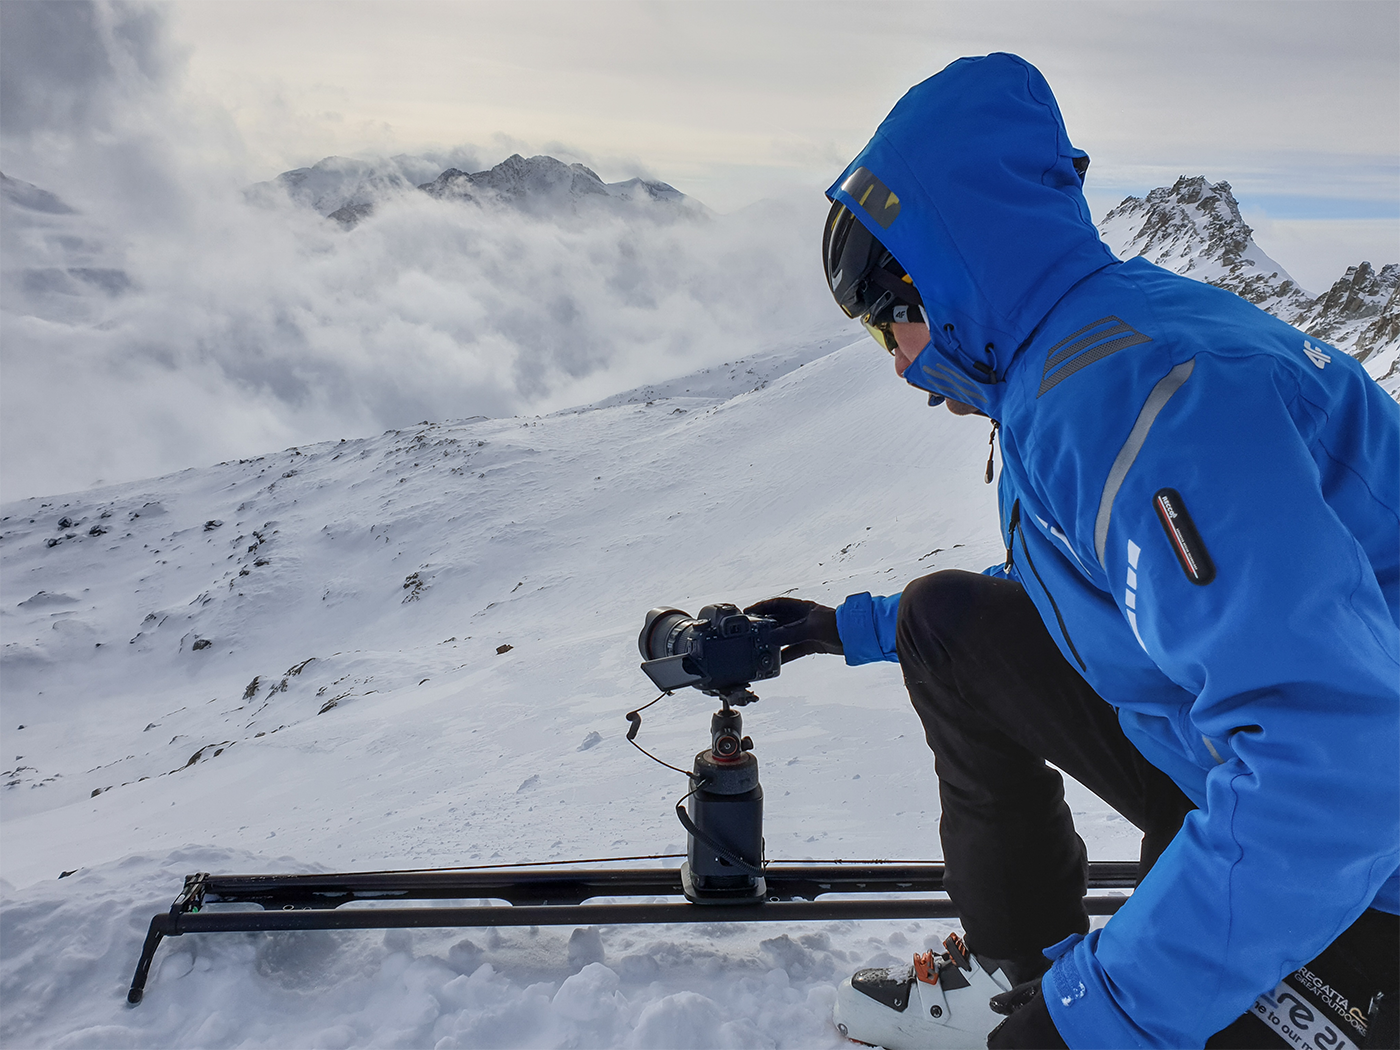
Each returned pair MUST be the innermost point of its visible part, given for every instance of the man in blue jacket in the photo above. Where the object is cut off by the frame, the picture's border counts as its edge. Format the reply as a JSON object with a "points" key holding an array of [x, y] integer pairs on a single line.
{"points": [[1198, 616]]}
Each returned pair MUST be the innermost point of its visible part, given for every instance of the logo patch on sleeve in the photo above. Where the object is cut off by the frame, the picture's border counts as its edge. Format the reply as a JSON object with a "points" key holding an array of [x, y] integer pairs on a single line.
{"points": [[1181, 532]]}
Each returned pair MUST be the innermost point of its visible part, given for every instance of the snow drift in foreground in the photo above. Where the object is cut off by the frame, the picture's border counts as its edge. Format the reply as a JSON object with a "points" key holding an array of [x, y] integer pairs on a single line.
{"points": [[291, 663]]}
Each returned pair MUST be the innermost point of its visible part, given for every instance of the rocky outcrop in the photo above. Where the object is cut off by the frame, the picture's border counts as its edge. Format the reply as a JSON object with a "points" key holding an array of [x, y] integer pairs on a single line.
{"points": [[1360, 304]]}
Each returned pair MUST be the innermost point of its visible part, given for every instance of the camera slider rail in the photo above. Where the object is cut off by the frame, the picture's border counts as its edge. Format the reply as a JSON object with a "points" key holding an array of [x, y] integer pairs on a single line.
{"points": [[796, 892]]}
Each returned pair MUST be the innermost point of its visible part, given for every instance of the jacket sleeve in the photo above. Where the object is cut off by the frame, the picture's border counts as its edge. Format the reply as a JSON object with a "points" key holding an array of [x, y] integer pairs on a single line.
{"points": [[1293, 659], [866, 625]]}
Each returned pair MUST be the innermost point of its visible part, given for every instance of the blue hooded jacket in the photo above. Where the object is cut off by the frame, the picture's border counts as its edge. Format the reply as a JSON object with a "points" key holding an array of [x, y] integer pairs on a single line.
{"points": [[1204, 505]]}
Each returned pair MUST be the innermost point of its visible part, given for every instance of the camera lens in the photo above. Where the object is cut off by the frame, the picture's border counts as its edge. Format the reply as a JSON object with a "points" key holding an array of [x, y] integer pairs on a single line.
{"points": [[660, 631]]}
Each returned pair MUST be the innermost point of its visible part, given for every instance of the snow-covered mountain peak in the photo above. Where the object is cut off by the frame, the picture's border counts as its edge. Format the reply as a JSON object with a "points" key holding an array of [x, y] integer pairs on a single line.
{"points": [[334, 182], [1194, 227], [348, 190], [1361, 310], [544, 183]]}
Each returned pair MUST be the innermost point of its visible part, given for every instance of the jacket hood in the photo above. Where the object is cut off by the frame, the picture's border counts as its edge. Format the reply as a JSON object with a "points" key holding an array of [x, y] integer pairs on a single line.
{"points": [[971, 183]]}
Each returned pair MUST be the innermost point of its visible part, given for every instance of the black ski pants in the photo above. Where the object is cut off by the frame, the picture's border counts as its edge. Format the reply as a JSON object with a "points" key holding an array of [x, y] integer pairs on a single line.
{"points": [[998, 701]]}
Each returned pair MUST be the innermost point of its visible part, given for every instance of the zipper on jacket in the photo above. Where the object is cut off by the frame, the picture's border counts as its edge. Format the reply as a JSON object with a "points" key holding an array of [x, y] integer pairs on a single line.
{"points": [[1010, 540], [1011, 531], [991, 451]]}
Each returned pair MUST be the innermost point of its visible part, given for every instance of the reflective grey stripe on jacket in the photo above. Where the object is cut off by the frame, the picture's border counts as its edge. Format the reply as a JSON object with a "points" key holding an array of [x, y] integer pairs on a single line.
{"points": [[1168, 385]]}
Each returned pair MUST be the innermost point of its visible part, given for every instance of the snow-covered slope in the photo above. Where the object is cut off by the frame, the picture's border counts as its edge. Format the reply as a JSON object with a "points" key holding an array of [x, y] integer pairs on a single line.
{"points": [[1193, 227], [293, 662]]}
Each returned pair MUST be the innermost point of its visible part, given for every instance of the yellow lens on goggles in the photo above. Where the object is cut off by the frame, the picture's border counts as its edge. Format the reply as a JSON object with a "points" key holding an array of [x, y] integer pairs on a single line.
{"points": [[881, 333]]}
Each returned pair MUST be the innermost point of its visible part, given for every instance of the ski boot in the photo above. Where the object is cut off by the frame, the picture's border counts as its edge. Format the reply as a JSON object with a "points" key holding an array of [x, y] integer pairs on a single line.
{"points": [[938, 1003]]}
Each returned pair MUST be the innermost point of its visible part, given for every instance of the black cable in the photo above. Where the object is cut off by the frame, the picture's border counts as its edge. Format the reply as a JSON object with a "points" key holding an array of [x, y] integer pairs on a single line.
{"points": [[635, 717], [723, 851], [518, 864]]}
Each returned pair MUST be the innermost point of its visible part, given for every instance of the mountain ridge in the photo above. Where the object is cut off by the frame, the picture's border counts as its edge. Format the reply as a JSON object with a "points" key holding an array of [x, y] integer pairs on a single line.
{"points": [[348, 190], [1194, 228]]}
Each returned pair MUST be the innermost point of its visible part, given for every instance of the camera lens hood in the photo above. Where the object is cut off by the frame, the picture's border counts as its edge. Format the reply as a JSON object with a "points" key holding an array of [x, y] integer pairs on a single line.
{"points": [[654, 648]]}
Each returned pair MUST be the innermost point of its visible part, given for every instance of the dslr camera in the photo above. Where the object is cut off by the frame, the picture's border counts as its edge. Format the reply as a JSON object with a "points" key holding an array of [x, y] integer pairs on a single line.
{"points": [[719, 652]]}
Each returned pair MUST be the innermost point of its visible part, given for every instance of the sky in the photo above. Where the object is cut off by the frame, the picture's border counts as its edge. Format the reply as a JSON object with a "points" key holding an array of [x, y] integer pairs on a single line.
{"points": [[217, 330], [1297, 103]]}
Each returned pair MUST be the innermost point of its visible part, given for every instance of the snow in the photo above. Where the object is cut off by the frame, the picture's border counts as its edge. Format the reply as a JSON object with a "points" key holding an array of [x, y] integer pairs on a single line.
{"points": [[351, 710]]}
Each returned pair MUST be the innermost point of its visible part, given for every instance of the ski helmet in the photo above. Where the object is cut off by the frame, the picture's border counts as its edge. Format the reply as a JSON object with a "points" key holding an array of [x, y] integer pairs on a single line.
{"points": [[865, 278]]}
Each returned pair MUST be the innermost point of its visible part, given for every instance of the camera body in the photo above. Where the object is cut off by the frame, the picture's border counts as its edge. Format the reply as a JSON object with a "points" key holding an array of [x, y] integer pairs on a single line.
{"points": [[720, 651]]}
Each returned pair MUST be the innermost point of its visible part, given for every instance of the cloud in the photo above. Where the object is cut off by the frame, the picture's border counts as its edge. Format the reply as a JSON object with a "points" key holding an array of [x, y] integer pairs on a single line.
{"points": [[68, 68], [167, 320]]}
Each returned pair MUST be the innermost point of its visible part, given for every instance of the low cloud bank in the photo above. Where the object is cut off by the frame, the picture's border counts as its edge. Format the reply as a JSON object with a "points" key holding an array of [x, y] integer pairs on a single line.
{"points": [[154, 315]]}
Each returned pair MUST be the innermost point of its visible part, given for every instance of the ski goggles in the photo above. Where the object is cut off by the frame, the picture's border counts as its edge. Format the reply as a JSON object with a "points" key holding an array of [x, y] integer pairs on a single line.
{"points": [[882, 331]]}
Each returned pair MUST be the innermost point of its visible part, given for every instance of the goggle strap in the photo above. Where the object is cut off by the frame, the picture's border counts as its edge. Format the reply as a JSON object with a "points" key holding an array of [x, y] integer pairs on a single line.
{"points": [[897, 287]]}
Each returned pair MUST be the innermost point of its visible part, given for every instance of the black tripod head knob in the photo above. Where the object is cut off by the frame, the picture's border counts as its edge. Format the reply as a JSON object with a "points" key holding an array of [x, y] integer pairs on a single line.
{"points": [[727, 735]]}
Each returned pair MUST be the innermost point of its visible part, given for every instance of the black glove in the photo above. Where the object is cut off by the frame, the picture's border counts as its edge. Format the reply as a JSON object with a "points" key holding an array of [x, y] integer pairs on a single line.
{"points": [[803, 627], [1028, 1025]]}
